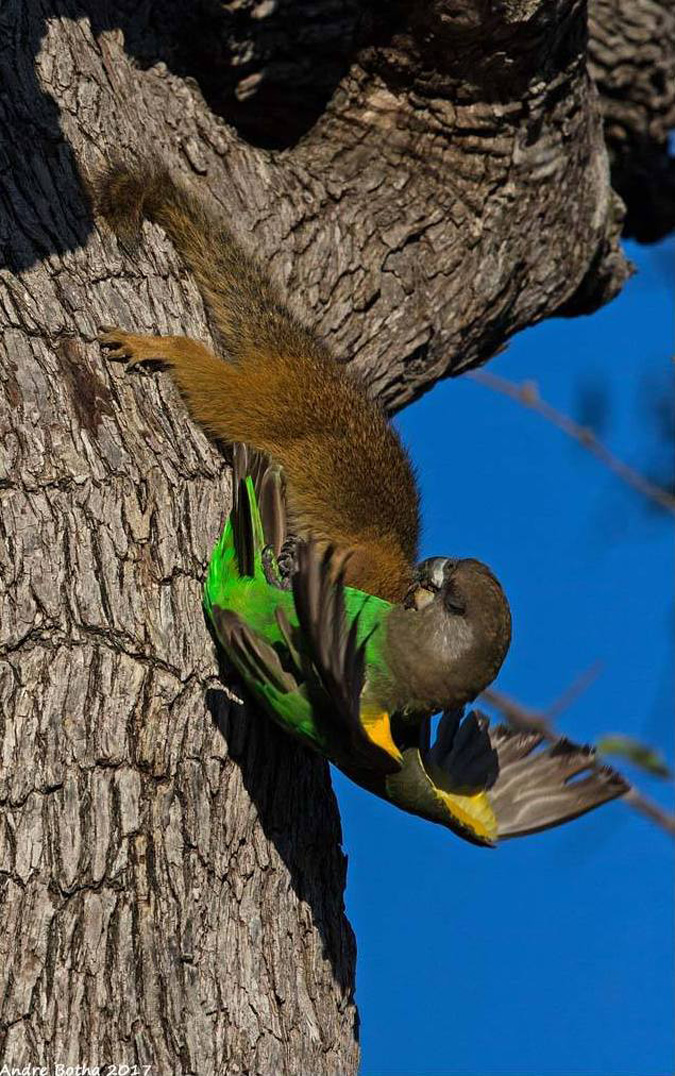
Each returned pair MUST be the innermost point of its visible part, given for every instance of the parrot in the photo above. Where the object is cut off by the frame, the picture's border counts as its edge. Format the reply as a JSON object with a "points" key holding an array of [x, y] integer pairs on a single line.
{"points": [[359, 679]]}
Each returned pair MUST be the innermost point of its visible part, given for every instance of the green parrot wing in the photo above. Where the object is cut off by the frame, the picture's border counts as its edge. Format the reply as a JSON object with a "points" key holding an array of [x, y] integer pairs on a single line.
{"points": [[331, 640], [299, 653], [261, 670], [296, 695], [244, 591]]}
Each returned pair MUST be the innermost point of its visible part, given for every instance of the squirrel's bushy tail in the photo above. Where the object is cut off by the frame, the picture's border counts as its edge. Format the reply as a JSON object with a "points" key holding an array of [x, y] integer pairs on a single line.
{"points": [[246, 309], [127, 195]]}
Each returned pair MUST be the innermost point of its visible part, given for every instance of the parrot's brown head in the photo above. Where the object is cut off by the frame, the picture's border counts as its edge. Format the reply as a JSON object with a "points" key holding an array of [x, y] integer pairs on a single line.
{"points": [[450, 638], [465, 588]]}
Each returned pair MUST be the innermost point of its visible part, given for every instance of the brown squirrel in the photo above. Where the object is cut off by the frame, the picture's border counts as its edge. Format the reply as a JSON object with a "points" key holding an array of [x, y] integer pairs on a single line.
{"points": [[349, 479]]}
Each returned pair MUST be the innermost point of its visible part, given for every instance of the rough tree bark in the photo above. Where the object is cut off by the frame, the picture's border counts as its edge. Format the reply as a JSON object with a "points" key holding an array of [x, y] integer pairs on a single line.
{"points": [[632, 59], [424, 179]]}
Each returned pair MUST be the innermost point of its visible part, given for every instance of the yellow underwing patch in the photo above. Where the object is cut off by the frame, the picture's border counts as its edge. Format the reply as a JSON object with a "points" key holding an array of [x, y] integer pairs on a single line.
{"points": [[473, 812], [378, 730]]}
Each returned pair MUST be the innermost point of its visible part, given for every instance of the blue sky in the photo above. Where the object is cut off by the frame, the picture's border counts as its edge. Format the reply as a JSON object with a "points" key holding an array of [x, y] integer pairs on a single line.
{"points": [[551, 956]]}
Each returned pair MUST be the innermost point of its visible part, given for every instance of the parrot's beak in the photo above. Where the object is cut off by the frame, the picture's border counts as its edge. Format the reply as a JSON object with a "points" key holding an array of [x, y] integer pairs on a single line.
{"points": [[430, 576], [417, 596]]}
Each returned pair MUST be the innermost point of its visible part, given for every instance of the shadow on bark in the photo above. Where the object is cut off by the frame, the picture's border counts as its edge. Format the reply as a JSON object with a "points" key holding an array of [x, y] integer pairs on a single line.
{"points": [[288, 786], [198, 43]]}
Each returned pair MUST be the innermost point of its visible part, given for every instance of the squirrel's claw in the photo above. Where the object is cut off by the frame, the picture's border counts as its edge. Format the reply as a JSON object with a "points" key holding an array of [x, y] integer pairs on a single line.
{"points": [[120, 345]]}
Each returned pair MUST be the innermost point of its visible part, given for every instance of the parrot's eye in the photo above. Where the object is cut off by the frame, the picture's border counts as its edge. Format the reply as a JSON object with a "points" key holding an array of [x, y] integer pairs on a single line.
{"points": [[453, 601], [456, 607]]}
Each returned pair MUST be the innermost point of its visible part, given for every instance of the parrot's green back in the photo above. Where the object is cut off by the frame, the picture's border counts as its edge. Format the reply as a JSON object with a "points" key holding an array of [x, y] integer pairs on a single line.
{"points": [[229, 586], [244, 590]]}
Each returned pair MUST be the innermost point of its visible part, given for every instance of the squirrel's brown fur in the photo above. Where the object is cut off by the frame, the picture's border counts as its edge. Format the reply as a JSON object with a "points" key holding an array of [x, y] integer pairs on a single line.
{"points": [[349, 479]]}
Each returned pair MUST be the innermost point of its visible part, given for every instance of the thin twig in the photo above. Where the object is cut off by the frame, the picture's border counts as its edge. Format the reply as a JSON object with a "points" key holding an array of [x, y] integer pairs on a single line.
{"points": [[527, 394], [518, 716], [650, 810], [573, 692], [525, 719]]}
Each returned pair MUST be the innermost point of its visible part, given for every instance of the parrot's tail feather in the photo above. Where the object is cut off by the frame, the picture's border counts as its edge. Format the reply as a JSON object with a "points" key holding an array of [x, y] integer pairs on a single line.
{"points": [[536, 790], [272, 502], [258, 516], [240, 466], [244, 529]]}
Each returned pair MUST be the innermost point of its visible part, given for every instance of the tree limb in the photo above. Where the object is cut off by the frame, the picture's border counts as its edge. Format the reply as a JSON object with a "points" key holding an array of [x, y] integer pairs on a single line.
{"points": [[527, 394], [632, 59]]}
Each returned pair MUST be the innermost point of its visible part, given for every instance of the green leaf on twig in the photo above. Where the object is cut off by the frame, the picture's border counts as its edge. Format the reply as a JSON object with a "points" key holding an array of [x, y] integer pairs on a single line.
{"points": [[646, 758]]}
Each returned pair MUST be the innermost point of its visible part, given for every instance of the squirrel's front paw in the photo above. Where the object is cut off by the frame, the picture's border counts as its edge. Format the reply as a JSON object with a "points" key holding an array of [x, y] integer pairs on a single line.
{"points": [[121, 345]]}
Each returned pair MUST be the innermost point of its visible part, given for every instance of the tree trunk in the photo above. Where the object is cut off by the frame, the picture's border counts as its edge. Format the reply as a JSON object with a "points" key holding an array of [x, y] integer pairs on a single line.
{"points": [[170, 865]]}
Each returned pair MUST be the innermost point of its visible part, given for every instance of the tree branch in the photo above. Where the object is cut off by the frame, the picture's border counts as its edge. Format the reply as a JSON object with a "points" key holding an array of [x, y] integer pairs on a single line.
{"points": [[632, 59], [527, 394]]}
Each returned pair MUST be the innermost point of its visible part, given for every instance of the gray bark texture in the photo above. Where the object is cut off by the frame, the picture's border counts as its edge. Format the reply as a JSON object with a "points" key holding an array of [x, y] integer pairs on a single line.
{"points": [[632, 59], [423, 180]]}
